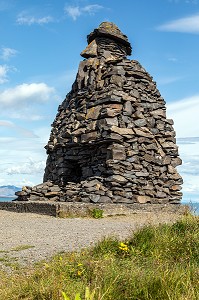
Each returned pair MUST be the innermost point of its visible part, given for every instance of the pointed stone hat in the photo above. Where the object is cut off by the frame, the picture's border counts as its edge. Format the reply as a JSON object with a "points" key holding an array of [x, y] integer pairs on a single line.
{"points": [[107, 30]]}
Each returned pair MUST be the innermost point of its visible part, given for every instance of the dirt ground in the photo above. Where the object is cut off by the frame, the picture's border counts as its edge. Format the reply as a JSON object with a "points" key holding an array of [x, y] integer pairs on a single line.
{"points": [[26, 238]]}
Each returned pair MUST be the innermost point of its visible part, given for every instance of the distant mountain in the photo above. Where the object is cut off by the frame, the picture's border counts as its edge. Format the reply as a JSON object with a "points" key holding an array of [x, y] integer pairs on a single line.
{"points": [[8, 190]]}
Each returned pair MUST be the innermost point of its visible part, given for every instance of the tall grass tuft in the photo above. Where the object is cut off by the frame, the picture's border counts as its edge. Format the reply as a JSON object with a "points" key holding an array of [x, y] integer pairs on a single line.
{"points": [[157, 262]]}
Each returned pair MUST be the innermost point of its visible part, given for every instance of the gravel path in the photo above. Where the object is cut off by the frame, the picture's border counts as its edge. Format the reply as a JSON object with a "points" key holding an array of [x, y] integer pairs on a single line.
{"points": [[49, 235]]}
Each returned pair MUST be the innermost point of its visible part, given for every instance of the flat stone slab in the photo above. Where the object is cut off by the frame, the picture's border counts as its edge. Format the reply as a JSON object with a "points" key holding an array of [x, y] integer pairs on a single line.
{"points": [[80, 209]]}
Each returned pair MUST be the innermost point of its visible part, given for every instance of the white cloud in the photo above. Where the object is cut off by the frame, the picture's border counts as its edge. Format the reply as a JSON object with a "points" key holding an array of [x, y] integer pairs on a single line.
{"points": [[24, 19], [6, 123], [28, 116], [7, 53], [189, 153], [43, 133], [25, 94], [16, 166], [29, 167], [73, 11], [7, 140], [92, 9], [185, 115], [4, 69], [76, 11], [23, 132], [188, 25]]}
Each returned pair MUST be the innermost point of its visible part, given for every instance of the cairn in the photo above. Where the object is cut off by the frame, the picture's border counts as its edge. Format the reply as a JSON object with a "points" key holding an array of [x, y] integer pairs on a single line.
{"points": [[110, 141]]}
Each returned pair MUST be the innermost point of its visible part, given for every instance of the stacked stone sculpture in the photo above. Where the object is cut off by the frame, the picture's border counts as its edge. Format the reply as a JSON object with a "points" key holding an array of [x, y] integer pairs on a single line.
{"points": [[110, 141]]}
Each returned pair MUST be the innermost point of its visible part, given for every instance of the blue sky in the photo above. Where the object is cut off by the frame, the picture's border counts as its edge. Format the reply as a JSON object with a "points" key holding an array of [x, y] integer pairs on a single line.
{"points": [[40, 45]]}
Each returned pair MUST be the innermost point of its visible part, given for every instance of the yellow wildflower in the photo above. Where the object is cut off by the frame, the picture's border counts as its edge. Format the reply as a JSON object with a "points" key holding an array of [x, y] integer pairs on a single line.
{"points": [[79, 265], [123, 247]]}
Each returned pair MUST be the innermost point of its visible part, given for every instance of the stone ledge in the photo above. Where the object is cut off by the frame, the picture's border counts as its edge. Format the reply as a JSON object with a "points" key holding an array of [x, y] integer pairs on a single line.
{"points": [[43, 208], [79, 209]]}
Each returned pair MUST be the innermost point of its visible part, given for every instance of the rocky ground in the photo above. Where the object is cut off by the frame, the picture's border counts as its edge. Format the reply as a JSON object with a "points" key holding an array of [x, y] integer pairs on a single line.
{"points": [[26, 238]]}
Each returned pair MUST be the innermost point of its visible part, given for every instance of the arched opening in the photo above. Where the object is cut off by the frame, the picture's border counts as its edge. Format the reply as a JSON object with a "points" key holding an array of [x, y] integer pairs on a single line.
{"points": [[76, 172], [73, 172]]}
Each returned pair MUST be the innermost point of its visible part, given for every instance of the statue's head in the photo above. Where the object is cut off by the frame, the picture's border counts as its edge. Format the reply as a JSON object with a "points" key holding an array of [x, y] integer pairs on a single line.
{"points": [[106, 40]]}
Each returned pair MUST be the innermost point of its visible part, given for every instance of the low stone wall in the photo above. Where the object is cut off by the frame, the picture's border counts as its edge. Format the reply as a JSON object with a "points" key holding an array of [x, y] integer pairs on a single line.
{"points": [[78, 209], [30, 207]]}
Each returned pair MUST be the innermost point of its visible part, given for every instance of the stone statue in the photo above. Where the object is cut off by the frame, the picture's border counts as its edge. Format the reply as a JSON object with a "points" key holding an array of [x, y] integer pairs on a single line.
{"points": [[111, 141]]}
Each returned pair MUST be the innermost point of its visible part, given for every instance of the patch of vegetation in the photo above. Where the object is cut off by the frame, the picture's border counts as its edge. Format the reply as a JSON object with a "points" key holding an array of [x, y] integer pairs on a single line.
{"points": [[10, 262], [156, 263], [4, 259], [97, 213], [22, 247], [66, 214], [94, 213], [88, 295]]}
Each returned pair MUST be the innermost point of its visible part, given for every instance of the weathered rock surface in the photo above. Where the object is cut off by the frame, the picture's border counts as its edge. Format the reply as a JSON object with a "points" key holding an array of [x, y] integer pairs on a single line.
{"points": [[110, 141]]}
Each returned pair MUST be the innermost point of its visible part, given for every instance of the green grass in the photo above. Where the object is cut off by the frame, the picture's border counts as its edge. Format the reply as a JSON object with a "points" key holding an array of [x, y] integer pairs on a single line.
{"points": [[157, 263], [9, 262], [96, 213], [22, 247]]}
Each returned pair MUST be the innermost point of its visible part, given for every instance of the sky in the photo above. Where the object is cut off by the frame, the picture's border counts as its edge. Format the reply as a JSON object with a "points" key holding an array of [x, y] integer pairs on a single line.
{"points": [[40, 45]]}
